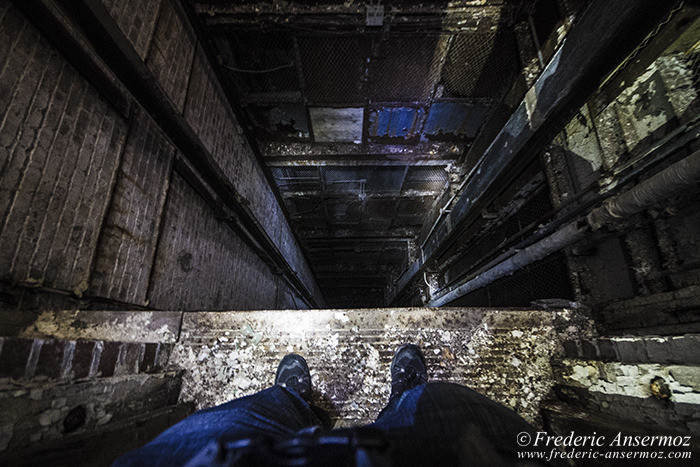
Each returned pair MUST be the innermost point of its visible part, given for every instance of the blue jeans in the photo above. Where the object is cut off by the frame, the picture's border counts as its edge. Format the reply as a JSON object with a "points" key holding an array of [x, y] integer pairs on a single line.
{"points": [[431, 424]]}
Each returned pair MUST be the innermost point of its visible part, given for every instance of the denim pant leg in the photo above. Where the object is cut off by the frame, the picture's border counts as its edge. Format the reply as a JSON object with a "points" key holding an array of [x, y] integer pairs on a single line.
{"points": [[274, 412], [448, 424]]}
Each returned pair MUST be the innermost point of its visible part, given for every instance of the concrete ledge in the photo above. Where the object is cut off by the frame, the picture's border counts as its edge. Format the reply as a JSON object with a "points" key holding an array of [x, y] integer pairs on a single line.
{"points": [[502, 353]]}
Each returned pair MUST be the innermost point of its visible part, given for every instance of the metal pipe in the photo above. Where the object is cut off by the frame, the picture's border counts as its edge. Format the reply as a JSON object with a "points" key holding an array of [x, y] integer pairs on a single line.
{"points": [[681, 175], [673, 179]]}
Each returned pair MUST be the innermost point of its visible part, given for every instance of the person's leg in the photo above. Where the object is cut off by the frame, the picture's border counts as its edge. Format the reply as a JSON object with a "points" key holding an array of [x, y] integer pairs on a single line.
{"points": [[450, 422], [276, 411], [445, 422]]}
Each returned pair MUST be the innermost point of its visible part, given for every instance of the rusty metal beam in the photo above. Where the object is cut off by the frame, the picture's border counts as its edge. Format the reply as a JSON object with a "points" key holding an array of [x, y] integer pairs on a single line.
{"points": [[429, 150], [455, 16], [604, 35], [333, 234], [363, 160], [354, 196]]}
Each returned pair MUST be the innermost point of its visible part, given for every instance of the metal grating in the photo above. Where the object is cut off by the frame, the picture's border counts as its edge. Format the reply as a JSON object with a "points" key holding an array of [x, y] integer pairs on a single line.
{"points": [[485, 246], [325, 84], [425, 179], [398, 76], [480, 64], [261, 62], [297, 178], [333, 68], [548, 278], [361, 180], [412, 74]]}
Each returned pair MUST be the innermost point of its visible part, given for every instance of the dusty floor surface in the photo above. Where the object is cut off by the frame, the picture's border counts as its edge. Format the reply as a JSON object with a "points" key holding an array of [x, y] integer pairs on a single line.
{"points": [[502, 354]]}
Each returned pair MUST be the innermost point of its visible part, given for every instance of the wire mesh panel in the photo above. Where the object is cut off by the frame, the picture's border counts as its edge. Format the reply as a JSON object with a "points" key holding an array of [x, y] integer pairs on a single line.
{"points": [[359, 180], [333, 68], [480, 64], [297, 178], [497, 238], [261, 62], [534, 209], [429, 178], [547, 278], [400, 69], [412, 210], [477, 298]]}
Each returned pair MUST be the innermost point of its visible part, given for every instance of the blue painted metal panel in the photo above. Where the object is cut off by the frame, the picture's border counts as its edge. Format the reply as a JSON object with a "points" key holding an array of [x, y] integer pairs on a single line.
{"points": [[455, 119], [396, 122]]}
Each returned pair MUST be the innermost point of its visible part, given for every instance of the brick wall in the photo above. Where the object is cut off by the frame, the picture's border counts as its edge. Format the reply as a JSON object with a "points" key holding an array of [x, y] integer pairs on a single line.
{"points": [[43, 380], [130, 232], [171, 54], [84, 185], [61, 147], [199, 253], [137, 18], [71, 360]]}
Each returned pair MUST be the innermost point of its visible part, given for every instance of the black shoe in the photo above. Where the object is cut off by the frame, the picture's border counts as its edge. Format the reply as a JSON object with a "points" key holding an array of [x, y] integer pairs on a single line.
{"points": [[408, 369], [293, 374]]}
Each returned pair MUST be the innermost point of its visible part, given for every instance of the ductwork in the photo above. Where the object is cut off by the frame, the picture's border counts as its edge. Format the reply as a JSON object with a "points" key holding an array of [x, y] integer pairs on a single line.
{"points": [[678, 177]]}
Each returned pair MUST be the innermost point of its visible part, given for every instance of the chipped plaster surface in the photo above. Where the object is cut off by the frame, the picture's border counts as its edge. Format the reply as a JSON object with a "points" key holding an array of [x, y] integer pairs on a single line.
{"points": [[633, 379], [581, 139], [626, 391], [503, 354], [678, 77], [665, 90]]}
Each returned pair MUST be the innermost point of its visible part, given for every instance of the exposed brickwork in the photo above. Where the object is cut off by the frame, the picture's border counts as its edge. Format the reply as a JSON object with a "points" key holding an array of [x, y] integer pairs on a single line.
{"points": [[137, 19], [201, 263], [171, 53], [13, 359], [128, 243], [63, 144], [148, 360], [163, 356], [129, 356], [209, 115], [82, 359], [640, 278], [69, 150], [73, 360], [108, 359], [623, 390], [648, 349], [50, 359]]}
